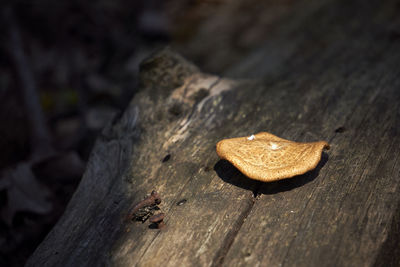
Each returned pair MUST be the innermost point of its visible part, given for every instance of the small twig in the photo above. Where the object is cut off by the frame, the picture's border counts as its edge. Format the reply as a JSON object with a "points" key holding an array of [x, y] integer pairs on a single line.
{"points": [[40, 135]]}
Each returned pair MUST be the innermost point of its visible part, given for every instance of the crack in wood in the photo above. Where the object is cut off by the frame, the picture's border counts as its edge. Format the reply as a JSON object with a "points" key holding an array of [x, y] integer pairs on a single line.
{"points": [[230, 237]]}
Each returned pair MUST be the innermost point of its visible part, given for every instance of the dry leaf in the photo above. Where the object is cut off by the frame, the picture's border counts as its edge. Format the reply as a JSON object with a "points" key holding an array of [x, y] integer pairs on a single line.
{"points": [[24, 193]]}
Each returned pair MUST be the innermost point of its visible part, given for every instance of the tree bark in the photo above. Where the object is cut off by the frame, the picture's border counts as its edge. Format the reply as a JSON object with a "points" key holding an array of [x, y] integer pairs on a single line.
{"points": [[339, 84]]}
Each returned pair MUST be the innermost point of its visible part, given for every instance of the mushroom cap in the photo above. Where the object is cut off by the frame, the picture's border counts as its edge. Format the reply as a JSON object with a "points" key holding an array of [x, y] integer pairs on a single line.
{"points": [[266, 157]]}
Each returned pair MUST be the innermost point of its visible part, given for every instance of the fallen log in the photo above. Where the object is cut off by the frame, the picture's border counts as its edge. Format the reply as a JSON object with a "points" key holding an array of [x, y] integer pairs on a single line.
{"points": [[344, 90]]}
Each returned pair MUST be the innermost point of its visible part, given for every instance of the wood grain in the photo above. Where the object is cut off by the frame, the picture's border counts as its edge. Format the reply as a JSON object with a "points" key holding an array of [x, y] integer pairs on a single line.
{"points": [[344, 73]]}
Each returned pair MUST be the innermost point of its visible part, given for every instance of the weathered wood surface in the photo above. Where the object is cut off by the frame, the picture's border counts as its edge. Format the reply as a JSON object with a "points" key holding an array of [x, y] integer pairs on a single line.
{"points": [[340, 83]]}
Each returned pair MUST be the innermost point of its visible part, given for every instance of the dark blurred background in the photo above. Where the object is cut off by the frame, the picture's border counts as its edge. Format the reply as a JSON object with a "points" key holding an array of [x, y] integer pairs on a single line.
{"points": [[68, 67]]}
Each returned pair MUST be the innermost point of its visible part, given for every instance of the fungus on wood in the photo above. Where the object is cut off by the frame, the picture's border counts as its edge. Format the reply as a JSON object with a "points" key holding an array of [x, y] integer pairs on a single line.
{"points": [[266, 157]]}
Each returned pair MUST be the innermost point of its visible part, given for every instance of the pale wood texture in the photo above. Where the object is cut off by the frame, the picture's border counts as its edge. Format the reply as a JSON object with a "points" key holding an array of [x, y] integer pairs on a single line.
{"points": [[341, 84]]}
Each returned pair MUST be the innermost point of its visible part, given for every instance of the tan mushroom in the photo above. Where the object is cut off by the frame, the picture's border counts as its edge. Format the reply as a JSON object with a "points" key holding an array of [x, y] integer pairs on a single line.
{"points": [[266, 157]]}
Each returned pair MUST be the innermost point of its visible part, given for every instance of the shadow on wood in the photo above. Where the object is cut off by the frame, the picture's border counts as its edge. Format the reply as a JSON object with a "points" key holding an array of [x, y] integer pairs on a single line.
{"points": [[230, 174]]}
